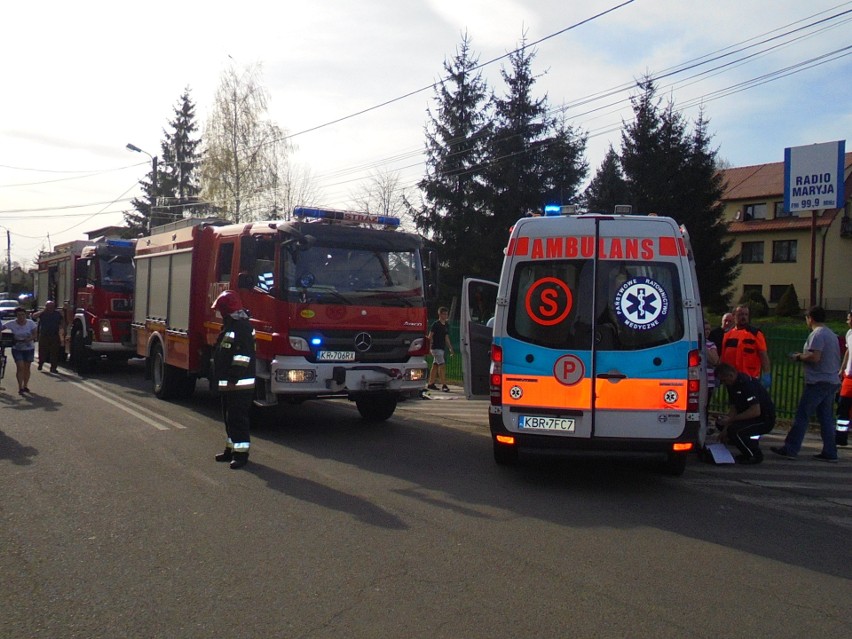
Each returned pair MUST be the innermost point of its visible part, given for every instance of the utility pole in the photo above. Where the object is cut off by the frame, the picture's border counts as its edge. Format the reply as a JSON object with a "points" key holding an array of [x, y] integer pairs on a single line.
{"points": [[8, 262]]}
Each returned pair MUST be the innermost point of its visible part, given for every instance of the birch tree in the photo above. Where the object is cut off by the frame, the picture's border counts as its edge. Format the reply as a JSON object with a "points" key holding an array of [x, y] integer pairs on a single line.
{"points": [[243, 150]]}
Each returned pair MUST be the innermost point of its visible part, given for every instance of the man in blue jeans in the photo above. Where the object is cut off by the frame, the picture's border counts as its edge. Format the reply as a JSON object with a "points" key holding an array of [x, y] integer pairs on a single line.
{"points": [[821, 360]]}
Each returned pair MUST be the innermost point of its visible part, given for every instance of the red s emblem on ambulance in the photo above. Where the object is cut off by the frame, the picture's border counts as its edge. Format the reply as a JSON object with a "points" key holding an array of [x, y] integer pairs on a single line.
{"points": [[548, 301]]}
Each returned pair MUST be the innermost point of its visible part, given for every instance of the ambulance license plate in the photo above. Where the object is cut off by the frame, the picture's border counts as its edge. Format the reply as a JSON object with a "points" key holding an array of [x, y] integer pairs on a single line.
{"points": [[336, 356], [531, 422]]}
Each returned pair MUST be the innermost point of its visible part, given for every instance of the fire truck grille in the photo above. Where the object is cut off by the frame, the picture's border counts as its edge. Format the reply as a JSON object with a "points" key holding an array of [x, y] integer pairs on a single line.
{"points": [[368, 346]]}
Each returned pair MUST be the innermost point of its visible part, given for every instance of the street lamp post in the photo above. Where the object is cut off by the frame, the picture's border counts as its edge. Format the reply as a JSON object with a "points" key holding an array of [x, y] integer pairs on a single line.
{"points": [[8, 260], [154, 188]]}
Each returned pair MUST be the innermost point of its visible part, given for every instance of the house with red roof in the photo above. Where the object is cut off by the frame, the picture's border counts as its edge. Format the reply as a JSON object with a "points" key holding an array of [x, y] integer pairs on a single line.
{"points": [[778, 248]]}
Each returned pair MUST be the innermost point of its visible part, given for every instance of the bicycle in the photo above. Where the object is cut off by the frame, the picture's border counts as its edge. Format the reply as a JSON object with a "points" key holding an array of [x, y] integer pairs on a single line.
{"points": [[7, 340]]}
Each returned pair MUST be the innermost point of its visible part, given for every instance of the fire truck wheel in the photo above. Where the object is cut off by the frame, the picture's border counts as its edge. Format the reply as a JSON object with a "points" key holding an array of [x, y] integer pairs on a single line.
{"points": [[376, 408], [169, 382], [80, 358]]}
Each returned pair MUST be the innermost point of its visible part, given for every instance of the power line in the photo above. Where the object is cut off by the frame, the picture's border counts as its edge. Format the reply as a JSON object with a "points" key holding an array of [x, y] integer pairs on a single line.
{"points": [[66, 179], [345, 175], [434, 84]]}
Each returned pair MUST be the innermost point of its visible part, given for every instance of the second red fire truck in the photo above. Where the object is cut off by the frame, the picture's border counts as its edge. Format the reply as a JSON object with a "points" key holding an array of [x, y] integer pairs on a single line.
{"points": [[337, 300], [92, 284]]}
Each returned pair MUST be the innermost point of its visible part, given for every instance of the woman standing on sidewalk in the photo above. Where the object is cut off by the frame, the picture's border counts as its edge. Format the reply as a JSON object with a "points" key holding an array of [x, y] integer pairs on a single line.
{"points": [[23, 352]]}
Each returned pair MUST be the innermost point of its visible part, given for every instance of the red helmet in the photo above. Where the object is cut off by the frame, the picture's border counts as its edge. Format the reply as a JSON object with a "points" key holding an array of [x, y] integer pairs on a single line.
{"points": [[228, 302]]}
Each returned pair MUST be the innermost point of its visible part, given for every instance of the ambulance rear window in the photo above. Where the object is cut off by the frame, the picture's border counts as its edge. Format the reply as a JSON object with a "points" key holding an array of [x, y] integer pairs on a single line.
{"points": [[631, 305]]}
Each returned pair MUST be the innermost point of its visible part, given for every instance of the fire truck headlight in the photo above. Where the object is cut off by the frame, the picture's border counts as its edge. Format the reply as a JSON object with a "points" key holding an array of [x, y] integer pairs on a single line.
{"points": [[299, 344], [105, 331], [295, 376], [415, 374]]}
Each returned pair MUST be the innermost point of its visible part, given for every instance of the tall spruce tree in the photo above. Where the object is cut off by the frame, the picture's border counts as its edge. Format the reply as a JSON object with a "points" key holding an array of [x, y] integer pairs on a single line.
{"points": [[533, 157], [673, 172], [452, 213], [181, 160], [177, 177], [517, 158], [565, 164], [704, 219], [607, 188]]}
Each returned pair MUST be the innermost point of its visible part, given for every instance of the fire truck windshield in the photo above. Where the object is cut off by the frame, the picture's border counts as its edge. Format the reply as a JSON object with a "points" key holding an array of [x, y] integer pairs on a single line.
{"points": [[343, 275], [116, 273]]}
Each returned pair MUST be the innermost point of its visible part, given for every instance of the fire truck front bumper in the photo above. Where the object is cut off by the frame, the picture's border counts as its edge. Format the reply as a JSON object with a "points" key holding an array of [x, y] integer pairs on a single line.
{"points": [[297, 376], [108, 348]]}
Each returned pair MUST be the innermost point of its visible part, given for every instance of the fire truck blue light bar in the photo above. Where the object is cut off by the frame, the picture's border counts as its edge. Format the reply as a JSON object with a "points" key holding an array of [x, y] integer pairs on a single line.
{"points": [[345, 216]]}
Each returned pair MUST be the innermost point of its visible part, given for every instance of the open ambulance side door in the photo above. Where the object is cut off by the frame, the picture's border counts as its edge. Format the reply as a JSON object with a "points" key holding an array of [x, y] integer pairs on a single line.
{"points": [[478, 306]]}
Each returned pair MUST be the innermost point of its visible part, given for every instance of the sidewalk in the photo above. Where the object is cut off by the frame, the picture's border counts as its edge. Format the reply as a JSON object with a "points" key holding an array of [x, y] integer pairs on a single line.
{"points": [[456, 392]]}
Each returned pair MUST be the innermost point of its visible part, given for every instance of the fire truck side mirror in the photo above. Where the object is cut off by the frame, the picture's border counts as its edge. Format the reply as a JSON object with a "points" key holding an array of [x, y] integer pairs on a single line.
{"points": [[245, 280]]}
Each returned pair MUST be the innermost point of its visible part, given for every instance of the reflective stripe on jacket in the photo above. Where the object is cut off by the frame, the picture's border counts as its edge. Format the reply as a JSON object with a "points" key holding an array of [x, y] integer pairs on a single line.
{"points": [[234, 357]]}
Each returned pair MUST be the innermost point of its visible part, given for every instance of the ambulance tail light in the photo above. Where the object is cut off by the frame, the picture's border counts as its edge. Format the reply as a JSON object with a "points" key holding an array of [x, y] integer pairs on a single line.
{"points": [[681, 447], [496, 381], [693, 381]]}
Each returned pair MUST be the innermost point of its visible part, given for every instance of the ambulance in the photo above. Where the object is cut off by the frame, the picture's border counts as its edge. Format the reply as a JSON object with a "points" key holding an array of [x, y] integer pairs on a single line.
{"points": [[592, 340]]}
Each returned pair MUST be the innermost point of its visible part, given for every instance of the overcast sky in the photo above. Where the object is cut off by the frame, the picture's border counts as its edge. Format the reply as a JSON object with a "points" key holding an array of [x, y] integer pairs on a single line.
{"points": [[82, 79]]}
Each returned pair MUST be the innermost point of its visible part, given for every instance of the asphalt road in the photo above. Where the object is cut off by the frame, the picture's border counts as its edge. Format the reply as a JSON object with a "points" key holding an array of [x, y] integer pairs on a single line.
{"points": [[116, 522]]}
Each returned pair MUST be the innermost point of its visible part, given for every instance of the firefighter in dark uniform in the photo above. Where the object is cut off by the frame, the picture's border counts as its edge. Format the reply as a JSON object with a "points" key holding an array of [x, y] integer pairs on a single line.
{"points": [[751, 413], [234, 371]]}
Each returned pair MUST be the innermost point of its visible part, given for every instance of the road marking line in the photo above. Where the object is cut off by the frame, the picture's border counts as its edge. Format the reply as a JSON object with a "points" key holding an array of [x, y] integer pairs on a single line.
{"points": [[132, 409], [143, 409]]}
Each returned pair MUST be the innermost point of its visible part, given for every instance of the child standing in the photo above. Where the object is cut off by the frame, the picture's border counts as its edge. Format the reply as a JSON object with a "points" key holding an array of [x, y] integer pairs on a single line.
{"points": [[439, 337]]}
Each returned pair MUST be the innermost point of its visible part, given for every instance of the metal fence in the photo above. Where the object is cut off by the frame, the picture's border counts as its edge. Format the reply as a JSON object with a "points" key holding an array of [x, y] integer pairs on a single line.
{"points": [[787, 380]]}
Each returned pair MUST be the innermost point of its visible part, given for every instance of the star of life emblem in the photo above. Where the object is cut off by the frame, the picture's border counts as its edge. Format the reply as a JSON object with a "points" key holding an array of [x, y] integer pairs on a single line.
{"points": [[641, 304]]}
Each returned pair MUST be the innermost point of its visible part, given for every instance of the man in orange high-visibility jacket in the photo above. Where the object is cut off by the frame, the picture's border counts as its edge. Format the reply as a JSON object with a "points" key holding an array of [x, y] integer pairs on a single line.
{"points": [[744, 348]]}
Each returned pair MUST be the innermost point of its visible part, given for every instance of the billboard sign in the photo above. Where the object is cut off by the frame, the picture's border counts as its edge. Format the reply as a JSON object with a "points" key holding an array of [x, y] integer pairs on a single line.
{"points": [[813, 176]]}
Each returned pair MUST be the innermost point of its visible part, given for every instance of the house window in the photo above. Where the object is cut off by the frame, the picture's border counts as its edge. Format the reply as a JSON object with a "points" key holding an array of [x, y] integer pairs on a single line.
{"points": [[780, 212], [749, 288], [776, 291], [784, 251], [755, 211], [752, 253]]}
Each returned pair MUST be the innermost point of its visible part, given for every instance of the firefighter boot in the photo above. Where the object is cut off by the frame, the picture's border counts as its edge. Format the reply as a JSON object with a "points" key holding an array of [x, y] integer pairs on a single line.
{"points": [[240, 460], [226, 456]]}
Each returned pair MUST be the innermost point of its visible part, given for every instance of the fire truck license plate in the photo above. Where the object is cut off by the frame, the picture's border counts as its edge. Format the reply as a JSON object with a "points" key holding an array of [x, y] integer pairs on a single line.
{"points": [[530, 422], [336, 356]]}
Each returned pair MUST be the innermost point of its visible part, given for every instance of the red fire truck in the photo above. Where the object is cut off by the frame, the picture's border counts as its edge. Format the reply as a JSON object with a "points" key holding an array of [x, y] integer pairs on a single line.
{"points": [[337, 300], [92, 285]]}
